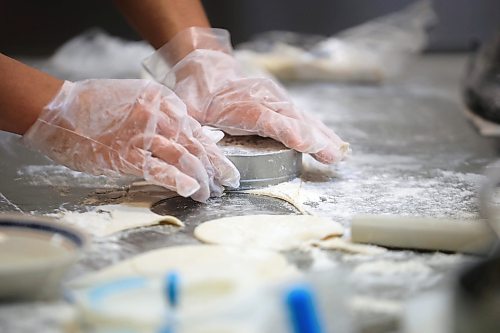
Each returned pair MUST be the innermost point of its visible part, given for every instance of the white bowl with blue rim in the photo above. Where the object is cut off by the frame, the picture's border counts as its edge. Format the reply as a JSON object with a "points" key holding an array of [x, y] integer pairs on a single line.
{"points": [[35, 253]]}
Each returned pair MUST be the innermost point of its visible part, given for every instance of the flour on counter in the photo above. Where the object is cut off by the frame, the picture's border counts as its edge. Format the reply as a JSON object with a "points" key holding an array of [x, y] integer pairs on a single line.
{"points": [[320, 259], [376, 305], [390, 278], [7, 205], [42, 317], [386, 267], [59, 175]]}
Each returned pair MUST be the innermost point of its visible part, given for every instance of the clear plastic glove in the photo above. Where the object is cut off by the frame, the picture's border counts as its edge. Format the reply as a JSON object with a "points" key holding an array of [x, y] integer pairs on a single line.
{"points": [[132, 127], [209, 80]]}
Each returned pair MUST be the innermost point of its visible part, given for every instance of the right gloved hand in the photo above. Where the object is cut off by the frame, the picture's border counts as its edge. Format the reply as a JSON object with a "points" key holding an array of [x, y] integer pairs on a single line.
{"points": [[217, 93], [131, 127]]}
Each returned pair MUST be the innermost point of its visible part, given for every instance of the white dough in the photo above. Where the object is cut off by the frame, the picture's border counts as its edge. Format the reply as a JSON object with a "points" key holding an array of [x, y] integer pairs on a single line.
{"points": [[288, 191], [340, 244], [194, 262], [279, 232], [109, 219], [213, 279]]}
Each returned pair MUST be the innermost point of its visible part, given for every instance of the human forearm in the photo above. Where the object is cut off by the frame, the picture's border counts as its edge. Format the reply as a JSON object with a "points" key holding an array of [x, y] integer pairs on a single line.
{"points": [[24, 91], [159, 20]]}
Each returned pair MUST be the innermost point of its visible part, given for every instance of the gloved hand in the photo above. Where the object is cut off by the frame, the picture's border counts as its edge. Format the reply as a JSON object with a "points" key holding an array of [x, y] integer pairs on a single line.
{"points": [[131, 127], [197, 64]]}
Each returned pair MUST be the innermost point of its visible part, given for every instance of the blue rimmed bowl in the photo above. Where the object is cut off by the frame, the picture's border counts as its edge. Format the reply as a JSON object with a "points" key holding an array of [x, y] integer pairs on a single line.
{"points": [[35, 253]]}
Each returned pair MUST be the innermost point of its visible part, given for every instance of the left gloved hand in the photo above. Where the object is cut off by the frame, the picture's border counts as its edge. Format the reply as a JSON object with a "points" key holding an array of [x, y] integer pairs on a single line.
{"points": [[132, 127], [209, 80]]}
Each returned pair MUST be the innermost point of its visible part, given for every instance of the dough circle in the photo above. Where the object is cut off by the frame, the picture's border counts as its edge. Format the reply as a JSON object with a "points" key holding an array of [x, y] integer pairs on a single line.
{"points": [[278, 232], [212, 279], [195, 262]]}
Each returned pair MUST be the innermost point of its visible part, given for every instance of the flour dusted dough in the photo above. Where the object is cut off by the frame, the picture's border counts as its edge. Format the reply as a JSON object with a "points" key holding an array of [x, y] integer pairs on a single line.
{"points": [[109, 219], [279, 232], [289, 192], [340, 244], [205, 262], [212, 280]]}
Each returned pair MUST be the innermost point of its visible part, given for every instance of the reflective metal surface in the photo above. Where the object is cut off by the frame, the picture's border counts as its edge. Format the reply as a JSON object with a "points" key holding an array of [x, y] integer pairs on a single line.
{"points": [[414, 154], [261, 161]]}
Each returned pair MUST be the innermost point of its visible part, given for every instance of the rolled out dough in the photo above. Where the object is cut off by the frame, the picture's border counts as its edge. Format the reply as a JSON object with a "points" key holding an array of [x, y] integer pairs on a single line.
{"points": [[109, 219], [213, 279], [195, 262], [278, 232], [340, 244]]}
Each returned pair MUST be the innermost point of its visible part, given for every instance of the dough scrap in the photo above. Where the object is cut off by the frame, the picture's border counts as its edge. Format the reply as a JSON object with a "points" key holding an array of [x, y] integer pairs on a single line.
{"points": [[337, 243], [109, 219], [277, 232], [199, 262], [288, 191]]}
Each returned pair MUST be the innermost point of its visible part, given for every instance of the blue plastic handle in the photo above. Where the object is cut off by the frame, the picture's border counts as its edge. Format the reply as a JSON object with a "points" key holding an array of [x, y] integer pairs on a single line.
{"points": [[171, 291], [172, 288], [302, 310]]}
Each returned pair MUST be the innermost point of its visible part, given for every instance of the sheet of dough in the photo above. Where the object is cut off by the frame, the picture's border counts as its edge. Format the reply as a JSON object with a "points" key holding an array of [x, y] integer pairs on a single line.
{"points": [[109, 219], [192, 262], [340, 244], [278, 232], [213, 279]]}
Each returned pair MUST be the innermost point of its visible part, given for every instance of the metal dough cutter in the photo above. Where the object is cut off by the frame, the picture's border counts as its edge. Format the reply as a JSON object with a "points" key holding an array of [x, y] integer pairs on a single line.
{"points": [[261, 161]]}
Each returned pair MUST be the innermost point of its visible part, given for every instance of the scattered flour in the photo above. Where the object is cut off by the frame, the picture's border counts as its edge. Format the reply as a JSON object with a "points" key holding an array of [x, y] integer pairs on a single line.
{"points": [[320, 259], [7, 205], [385, 267], [43, 317], [394, 279], [376, 305], [59, 175]]}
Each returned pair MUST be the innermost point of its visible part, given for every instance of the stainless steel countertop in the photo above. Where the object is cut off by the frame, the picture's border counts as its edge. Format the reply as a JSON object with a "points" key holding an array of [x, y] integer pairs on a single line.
{"points": [[414, 153]]}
